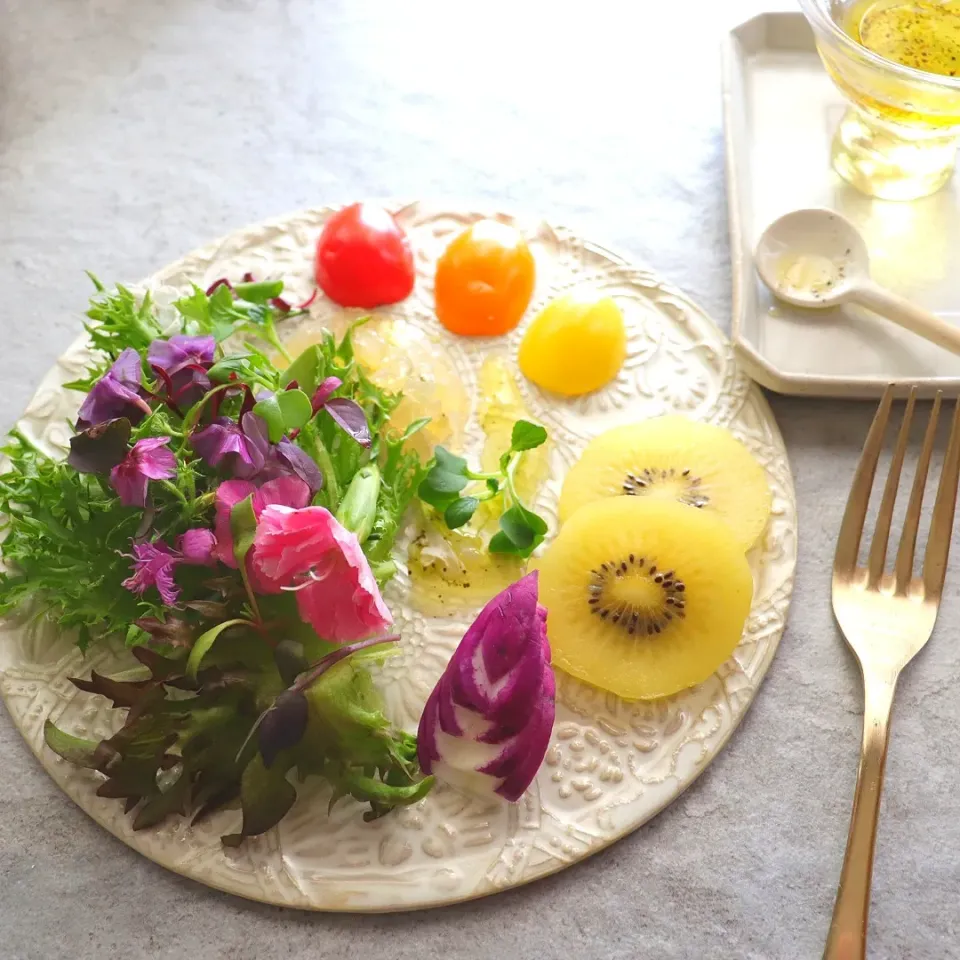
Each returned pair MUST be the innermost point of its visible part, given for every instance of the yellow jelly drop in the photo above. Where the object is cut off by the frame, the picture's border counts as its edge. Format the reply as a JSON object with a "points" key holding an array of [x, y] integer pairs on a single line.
{"points": [[574, 345]]}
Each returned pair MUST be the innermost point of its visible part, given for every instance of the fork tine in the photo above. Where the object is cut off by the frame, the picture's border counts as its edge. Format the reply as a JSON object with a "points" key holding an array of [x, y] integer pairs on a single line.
{"points": [[848, 543], [903, 569], [881, 535], [941, 524]]}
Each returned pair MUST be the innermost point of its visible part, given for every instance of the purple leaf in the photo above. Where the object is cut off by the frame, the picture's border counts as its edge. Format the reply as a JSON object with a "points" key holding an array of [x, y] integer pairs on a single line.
{"points": [[350, 417], [172, 632], [300, 463], [283, 725], [98, 449]]}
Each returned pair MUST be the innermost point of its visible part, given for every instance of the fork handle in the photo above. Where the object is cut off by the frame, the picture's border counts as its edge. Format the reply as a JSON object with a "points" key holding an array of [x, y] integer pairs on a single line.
{"points": [[847, 939]]}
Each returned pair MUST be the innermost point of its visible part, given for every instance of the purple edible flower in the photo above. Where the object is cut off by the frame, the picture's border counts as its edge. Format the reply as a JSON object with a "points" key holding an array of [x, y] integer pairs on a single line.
{"points": [[181, 351], [149, 459], [153, 565], [182, 363], [116, 394], [242, 448], [196, 547]]}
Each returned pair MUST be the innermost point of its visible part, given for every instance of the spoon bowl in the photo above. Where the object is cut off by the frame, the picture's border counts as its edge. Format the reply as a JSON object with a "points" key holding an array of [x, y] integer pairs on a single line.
{"points": [[812, 258], [817, 259]]}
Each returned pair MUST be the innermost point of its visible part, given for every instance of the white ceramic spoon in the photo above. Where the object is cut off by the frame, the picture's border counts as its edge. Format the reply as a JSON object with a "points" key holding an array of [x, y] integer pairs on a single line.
{"points": [[817, 259]]}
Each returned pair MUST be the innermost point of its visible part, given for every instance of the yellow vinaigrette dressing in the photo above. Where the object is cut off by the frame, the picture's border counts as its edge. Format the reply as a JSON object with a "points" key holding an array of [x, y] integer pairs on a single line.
{"points": [[454, 567], [922, 34]]}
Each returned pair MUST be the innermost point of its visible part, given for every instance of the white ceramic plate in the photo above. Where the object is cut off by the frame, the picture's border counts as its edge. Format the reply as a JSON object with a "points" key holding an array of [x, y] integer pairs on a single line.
{"points": [[781, 111], [611, 765]]}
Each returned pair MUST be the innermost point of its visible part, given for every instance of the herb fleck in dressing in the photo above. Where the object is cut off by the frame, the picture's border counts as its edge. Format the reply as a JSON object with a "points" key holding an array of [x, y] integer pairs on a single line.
{"points": [[922, 35]]}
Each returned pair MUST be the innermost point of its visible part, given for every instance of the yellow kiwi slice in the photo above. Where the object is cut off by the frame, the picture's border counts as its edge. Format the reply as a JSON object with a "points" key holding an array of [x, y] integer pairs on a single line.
{"points": [[673, 458], [644, 597]]}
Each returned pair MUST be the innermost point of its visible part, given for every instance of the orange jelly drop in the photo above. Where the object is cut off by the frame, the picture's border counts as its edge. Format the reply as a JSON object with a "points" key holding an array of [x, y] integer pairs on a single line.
{"points": [[484, 280]]}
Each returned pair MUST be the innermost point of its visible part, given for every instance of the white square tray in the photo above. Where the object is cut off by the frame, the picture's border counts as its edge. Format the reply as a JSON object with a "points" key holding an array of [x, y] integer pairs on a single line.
{"points": [[780, 111]]}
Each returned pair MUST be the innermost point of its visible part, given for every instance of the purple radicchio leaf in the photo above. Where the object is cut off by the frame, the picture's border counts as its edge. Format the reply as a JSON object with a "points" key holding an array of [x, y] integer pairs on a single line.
{"points": [[498, 690]]}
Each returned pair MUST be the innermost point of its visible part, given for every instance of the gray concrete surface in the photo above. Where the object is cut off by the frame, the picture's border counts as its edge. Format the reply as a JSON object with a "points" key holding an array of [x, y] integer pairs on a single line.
{"points": [[131, 131]]}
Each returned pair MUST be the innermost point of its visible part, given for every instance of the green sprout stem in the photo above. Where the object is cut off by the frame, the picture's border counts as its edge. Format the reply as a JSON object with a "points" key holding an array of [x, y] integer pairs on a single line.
{"points": [[511, 477], [269, 333], [481, 477]]}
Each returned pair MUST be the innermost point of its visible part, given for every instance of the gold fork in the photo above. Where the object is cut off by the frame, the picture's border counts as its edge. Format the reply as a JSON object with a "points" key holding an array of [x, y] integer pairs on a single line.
{"points": [[886, 619]]}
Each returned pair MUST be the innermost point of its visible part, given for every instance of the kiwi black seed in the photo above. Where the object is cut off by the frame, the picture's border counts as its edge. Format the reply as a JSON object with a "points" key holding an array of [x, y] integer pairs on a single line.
{"points": [[636, 620], [638, 482]]}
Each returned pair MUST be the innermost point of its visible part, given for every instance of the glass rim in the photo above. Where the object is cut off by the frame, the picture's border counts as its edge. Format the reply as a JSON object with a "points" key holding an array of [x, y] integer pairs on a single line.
{"points": [[818, 17]]}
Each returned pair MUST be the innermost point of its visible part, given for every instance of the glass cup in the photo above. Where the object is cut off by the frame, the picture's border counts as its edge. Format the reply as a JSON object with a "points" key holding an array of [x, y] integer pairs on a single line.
{"points": [[899, 138]]}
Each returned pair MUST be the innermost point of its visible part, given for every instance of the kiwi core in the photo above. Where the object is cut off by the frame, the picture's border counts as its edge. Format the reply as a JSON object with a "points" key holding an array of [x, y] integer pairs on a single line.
{"points": [[633, 594], [670, 484]]}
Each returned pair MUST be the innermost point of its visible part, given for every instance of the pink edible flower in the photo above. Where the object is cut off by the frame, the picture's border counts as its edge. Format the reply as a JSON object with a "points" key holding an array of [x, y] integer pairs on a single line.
{"points": [[309, 551], [288, 490], [153, 565], [197, 547], [148, 459]]}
